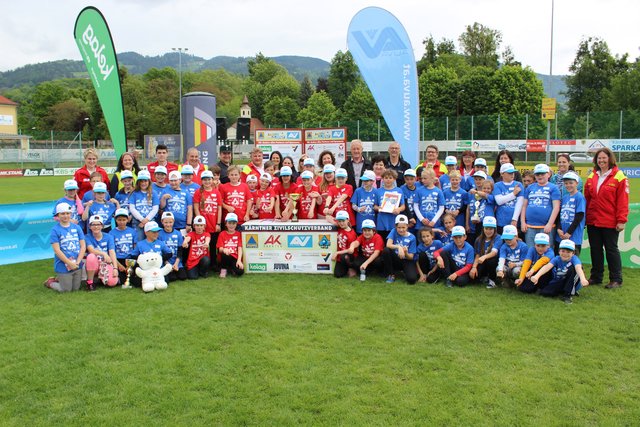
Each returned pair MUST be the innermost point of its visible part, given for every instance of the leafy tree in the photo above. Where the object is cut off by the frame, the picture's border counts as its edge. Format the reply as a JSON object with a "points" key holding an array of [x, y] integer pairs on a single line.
{"points": [[360, 104], [319, 109], [343, 77], [322, 84], [481, 44], [282, 85], [623, 94], [439, 87], [475, 89], [593, 70], [281, 111], [66, 115], [434, 50], [516, 91], [306, 90], [45, 96]]}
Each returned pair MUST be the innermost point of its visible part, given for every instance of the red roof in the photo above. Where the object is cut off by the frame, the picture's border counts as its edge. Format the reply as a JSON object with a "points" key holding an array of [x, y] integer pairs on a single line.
{"points": [[6, 101]]}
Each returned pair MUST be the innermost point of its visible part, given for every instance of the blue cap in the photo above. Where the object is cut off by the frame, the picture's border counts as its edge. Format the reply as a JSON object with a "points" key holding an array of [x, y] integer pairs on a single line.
{"points": [[567, 244], [509, 232], [144, 174], [231, 217], [306, 175], [541, 239], [342, 215], [450, 161]]}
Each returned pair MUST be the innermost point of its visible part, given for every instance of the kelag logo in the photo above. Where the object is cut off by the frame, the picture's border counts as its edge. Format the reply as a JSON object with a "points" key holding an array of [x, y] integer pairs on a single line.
{"points": [[387, 41], [257, 267], [299, 241]]}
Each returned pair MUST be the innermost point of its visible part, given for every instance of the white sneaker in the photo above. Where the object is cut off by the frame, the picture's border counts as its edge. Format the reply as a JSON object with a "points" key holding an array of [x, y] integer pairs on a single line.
{"points": [[491, 284]]}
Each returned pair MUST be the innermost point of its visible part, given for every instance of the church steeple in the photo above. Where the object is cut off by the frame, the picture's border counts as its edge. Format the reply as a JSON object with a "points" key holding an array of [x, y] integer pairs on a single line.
{"points": [[245, 109]]}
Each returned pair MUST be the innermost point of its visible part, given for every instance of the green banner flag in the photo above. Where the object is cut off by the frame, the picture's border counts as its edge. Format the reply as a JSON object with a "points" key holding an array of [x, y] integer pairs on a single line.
{"points": [[96, 47]]}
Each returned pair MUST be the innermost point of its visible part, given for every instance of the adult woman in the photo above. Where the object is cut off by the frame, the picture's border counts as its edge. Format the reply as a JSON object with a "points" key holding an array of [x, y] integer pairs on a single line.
{"points": [[83, 175], [288, 161], [326, 158], [503, 157], [564, 165], [127, 162], [276, 158], [466, 166], [607, 194]]}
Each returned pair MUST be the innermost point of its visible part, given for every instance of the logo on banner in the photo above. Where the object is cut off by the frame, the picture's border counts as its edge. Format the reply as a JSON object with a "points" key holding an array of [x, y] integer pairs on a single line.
{"points": [[288, 256], [299, 241], [257, 267], [202, 126], [324, 241], [323, 267], [325, 257], [252, 241], [596, 145], [91, 40], [280, 266], [387, 41], [273, 242]]}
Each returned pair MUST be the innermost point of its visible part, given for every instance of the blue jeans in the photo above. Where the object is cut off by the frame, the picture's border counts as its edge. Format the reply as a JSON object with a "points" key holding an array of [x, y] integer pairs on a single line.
{"points": [[529, 237]]}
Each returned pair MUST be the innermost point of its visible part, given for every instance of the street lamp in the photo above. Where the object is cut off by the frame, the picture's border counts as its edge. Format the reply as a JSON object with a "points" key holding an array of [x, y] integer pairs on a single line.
{"points": [[180, 50]]}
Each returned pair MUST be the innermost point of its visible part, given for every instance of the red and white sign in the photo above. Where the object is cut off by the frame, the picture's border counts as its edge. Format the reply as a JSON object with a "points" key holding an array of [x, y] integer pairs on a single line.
{"points": [[6, 173], [540, 145]]}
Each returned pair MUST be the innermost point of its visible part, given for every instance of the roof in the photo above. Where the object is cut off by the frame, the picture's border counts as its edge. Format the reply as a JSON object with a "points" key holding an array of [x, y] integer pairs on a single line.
{"points": [[6, 101]]}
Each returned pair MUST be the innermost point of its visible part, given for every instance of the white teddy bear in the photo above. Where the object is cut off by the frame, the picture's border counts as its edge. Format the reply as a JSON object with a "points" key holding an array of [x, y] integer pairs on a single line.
{"points": [[150, 271]]}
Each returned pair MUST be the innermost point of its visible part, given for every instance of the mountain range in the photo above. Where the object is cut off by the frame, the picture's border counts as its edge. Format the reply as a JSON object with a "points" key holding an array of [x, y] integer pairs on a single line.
{"points": [[297, 66]]}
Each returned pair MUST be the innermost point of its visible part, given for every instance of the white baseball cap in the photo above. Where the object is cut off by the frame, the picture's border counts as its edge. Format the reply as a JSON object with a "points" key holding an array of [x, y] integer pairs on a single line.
{"points": [[368, 223], [541, 168], [152, 226], [206, 174], [409, 172], [96, 218], [144, 174], [450, 160], [309, 162], [306, 175], [70, 184], [328, 168], [341, 173], [541, 239], [342, 215], [368, 176], [480, 174], [286, 171], [62, 208], [489, 222], [167, 215], [174, 175], [231, 217], [100, 187], [509, 232], [458, 230], [161, 169], [480, 162], [199, 220], [266, 177], [571, 175], [507, 168], [126, 174], [121, 212], [567, 244], [252, 178], [402, 219], [187, 170]]}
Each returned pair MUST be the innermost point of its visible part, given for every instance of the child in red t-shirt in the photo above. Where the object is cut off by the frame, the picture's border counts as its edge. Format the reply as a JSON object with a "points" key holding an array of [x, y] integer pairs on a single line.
{"points": [[284, 188], [207, 202], [347, 247], [266, 198], [339, 198], [230, 248], [309, 197], [371, 244], [199, 260], [236, 196]]}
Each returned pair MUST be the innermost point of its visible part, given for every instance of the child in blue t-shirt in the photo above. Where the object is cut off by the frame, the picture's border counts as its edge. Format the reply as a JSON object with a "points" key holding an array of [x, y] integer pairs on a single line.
{"points": [[410, 193], [124, 239], [456, 259], [508, 197], [143, 204], [100, 206], [71, 198], [537, 257], [456, 199], [101, 255], [487, 246], [151, 243], [568, 275], [364, 199], [179, 202], [572, 212], [444, 232], [429, 203], [386, 216], [540, 206], [427, 266], [484, 200], [512, 254], [400, 251], [173, 239], [68, 244]]}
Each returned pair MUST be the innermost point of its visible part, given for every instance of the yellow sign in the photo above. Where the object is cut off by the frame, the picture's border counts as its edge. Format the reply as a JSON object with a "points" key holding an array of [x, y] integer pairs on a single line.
{"points": [[548, 108]]}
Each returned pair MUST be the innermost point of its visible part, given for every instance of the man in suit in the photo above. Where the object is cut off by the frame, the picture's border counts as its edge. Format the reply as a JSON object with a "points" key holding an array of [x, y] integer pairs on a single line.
{"points": [[356, 165]]}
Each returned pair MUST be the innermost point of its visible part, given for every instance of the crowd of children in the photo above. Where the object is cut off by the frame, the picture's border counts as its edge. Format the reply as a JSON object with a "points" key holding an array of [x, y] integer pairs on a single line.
{"points": [[455, 228]]}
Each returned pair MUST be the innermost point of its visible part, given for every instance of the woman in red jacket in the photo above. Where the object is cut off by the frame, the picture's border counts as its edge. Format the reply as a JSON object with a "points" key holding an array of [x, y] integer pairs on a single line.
{"points": [[607, 194], [83, 175]]}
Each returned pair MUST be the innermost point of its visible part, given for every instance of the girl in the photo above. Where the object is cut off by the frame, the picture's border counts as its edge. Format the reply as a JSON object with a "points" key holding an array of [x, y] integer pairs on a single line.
{"points": [[347, 247], [93, 179], [486, 246], [309, 165], [485, 208], [266, 198], [565, 165], [288, 161], [400, 252], [537, 257], [188, 184], [448, 222], [455, 198], [368, 259], [503, 158], [230, 248], [429, 205], [572, 212], [207, 203], [68, 244], [364, 199], [199, 260], [236, 196], [512, 254], [568, 276], [409, 191], [540, 206], [100, 206], [507, 194], [427, 266], [456, 259], [284, 188], [309, 197], [143, 204], [124, 240], [252, 183], [445, 180], [339, 197], [126, 191], [101, 255], [179, 202], [390, 203], [174, 240], [328, 180], [71, 198]]}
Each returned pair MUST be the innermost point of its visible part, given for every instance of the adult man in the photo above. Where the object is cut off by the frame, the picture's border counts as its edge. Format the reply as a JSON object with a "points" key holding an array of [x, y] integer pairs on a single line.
{"points": [[193, 159], [356, 165], [255, 166], [161, 160], [396, 162], [224, 162], [432, 161]]}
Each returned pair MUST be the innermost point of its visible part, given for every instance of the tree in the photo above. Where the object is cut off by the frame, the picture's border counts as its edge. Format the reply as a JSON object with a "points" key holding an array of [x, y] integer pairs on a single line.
{"points": [[433, 51], [360, 104], [439, 87], [282, 85], [343, 77], [281, 111], [66, 115], [480, 44], [261, 71], [319, 109], [476, 88], [306, 90], [593, 70], [516, 91], [322, 84]]}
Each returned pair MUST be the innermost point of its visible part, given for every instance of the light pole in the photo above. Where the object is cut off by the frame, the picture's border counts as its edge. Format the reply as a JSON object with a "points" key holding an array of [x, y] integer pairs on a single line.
{"points": [[548, 153], [180, 50]]}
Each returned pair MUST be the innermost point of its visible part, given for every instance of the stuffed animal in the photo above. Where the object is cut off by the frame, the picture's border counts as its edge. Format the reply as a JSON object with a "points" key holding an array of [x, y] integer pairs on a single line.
{"points": [[151, 272]]}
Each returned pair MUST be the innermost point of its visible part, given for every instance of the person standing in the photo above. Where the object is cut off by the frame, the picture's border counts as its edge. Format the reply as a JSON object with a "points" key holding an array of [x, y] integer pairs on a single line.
{"points": [[224, 161], [504, 157], [607, 193], [396, 162], [432, 162], [255, 167], [127, 162], [193, 159], [83, 175], [162, 153], [356, 165]]}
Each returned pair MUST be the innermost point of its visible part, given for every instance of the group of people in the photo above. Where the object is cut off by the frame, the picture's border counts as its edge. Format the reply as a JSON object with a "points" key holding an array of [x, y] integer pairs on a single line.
{"points": [[447, 220]]}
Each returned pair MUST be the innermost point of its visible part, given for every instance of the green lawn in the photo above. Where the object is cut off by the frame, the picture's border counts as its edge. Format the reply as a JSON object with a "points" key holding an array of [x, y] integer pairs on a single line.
{"points": [[284, 350]]}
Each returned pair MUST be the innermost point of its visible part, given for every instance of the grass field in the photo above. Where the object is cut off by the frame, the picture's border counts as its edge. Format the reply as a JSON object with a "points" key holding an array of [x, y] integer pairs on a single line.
{"points": [[285, 350]]}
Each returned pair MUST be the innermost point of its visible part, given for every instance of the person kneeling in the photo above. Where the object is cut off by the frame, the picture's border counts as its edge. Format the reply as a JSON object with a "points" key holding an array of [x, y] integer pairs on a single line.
{"points": [[456, 259], [400, 252], [347, 247], [230, 248], [101, 255], [536, 258], [199, 260]]}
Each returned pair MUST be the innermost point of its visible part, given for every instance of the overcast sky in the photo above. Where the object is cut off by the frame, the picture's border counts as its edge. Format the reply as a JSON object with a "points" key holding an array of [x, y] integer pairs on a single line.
{"points": [[34, 31]]}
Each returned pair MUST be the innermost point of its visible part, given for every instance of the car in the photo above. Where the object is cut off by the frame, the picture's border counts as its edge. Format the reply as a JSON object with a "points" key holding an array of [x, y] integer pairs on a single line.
{"points": [[581, 157]]}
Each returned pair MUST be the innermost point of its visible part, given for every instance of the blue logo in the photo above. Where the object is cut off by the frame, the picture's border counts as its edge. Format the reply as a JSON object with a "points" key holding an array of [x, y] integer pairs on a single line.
{"points": [[300, 241], [337, 134], [387, 41]]}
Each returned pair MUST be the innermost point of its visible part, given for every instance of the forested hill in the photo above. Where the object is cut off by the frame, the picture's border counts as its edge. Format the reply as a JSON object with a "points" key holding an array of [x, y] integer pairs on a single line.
{"points": [[297, 66]]}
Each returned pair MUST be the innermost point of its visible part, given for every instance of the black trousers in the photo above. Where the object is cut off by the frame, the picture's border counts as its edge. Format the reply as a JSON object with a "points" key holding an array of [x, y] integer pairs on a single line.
{"points": [[600, 237], [181, 274], [229, 263], [565, 286], [392, 262], [450, 267], [343, 263], [488, 268], [528, 287], [201, 269], [375, 266], [426, 266]]}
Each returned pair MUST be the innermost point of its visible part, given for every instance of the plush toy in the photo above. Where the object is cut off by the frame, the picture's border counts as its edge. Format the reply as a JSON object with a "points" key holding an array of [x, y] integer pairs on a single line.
{"points": [[151, 272]]}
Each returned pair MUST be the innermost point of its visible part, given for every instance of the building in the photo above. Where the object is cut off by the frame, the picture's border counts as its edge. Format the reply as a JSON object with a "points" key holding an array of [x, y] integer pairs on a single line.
{"points": [[8, 116], [245, 118]]}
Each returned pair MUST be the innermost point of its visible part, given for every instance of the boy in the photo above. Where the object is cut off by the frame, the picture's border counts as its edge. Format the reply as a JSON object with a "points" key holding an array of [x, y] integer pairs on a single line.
{"points": [[572, 212], [187, 180], [346, 245], [410, 191], [266, 198], [94, 178], [455, 198], [568, 276], [364, 199], [512, 254], [371, 245], [508, 197], [68, 243], [100, 206], [123, 195], [540, 206], [429, 205], [173, 239], [400, 252], [387, 211], [427, 265], [179, 202], [456, 259], [149, 244], [537, 257], [124, 239], [310, 198], [451, 163], [71, 198]]}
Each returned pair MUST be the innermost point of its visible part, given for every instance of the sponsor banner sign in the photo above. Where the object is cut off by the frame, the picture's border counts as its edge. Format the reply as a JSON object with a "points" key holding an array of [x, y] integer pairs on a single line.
{"points": [[318, 140], [24, 232], [464, 145], [38, 172], [171, 141], [294, 248], [7, 173], [64, 171], [6, 120], [631, 172], [199, 126], [289, 142], [540, 145], [625, 145]]}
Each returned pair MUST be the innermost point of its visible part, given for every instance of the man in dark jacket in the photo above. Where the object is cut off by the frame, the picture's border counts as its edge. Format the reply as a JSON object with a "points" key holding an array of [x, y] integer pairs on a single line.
{"points": [[356, 165], [396, 162]]}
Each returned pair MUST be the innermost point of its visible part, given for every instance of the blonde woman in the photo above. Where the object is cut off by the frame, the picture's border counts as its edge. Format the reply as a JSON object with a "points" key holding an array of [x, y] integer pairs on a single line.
{"points": [[83, 175]]}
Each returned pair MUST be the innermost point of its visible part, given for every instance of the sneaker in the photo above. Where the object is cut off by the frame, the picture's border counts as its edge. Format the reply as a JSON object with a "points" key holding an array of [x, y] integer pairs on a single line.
{"points": [[363, 276], [391, 278], [47, 283], [449, 284], [223, 273], [491, 284], [91, 287], [567, 300], [352, 273]]}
